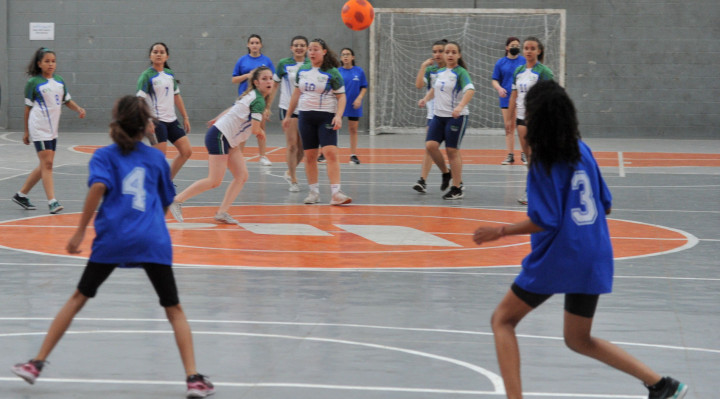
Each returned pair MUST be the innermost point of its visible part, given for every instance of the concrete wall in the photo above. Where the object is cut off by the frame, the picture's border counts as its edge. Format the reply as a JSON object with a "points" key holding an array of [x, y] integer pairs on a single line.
{"points": [[645, 68]]}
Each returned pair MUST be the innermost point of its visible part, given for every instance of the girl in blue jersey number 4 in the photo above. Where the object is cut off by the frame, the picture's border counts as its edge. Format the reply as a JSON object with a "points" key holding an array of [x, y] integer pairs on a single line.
{"points": [[569, 238], [133, 182], [45, 93]]}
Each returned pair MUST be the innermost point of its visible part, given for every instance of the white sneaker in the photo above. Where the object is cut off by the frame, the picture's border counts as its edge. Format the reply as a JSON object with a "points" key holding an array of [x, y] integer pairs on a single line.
{"points": [[339, 198], [294, 188], [312, 198], [176, 211], [523, 200], [225, 218], [264, 161], [287, 177]]}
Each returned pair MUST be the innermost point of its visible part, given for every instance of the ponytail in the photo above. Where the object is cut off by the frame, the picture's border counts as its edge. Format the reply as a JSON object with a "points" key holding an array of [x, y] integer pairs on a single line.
{"points": [[130, 119]]}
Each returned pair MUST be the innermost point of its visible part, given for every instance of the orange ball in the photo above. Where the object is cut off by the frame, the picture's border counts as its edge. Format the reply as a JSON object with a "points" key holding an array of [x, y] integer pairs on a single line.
{"points": [[358, 14]]}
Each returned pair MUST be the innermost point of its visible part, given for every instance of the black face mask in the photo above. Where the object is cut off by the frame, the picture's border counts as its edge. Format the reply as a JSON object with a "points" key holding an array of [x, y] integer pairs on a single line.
{"points": [[514, 51]]}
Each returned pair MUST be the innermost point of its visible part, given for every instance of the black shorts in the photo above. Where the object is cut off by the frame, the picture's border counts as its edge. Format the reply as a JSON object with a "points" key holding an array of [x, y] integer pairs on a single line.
{"points": [[316, 129], [353, 118], [161, 277], [520, 122], [583, 305], [283, 114]]}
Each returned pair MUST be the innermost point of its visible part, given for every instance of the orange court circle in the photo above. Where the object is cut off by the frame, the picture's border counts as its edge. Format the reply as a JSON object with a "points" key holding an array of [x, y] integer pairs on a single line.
{"points": [[337, 246]]}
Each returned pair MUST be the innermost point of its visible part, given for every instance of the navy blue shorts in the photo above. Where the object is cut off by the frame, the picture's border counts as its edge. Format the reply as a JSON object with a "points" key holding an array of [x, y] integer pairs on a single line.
{"points": [[215, 142], [283, 113], [165, 131], [447, 129], [161, 277], [45, 145], [316, 129]]}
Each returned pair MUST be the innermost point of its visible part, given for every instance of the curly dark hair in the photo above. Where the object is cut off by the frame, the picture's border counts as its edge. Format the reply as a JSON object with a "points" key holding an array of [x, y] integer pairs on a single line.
{"points": [[330, 60], [552, 126]]}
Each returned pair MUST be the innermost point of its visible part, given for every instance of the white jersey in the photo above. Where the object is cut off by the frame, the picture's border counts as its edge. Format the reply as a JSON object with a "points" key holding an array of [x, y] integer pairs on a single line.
{"points": [[286, 74], [318, 88], [159, 90], [235, 124], [429, 80], [450, 85], [46, 97]]}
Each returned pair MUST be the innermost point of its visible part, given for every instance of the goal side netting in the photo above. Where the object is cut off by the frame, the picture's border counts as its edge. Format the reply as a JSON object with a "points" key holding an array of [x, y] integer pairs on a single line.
{"points": [[401, 39]]}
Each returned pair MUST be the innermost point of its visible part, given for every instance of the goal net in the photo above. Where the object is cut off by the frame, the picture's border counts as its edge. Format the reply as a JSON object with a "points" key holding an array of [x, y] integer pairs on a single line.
{"points": [[401, 39]]}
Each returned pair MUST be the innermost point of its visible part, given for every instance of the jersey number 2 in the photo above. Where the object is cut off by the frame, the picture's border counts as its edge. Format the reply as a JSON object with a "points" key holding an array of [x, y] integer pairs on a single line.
{"points": [[587, 212], [134, 184]]}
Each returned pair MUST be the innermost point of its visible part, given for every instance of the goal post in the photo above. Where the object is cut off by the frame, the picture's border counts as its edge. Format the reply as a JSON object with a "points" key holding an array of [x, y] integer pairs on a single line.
{"points": [[401, 39]]}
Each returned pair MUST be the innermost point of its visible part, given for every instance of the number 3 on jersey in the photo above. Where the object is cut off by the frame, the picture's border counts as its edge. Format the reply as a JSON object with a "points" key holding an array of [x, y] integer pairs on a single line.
{"points": [[134, 184], [587, 212]]}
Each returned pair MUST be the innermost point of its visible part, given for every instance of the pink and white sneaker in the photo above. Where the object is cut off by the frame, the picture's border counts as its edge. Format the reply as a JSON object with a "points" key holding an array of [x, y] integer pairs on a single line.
{"points": [[199, 386], [29, 371]]}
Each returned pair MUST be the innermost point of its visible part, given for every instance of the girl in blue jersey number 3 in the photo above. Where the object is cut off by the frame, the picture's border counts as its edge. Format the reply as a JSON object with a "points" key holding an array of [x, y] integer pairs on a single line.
{"points": [[569, 238], [133, 182]]}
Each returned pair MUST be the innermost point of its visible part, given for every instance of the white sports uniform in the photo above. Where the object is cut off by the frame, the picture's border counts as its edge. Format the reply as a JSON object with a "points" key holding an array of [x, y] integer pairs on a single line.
{"points": [[46, 97], [159, 90]]}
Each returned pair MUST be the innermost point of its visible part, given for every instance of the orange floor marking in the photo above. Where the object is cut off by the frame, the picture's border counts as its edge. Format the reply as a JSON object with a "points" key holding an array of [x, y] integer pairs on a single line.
{"points": [[224, 245], [470, 157]]}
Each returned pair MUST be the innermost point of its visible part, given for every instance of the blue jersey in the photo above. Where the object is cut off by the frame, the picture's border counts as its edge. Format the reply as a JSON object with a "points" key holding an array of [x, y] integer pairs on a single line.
{"points": [[354, 79], [573, 253], [247, 63], [130, 225], [504, 71]]}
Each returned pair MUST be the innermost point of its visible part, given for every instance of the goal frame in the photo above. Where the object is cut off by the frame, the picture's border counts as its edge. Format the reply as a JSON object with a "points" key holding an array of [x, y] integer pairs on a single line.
{"points": [[560, 76]]}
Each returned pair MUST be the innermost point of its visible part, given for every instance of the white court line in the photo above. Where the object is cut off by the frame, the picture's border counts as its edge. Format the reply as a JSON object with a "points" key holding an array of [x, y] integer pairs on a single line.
{"points": [[621, 164], [328, 387], [320, 324]]}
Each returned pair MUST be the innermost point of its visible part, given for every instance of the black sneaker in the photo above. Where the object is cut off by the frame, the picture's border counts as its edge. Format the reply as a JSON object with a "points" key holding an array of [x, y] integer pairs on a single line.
{"points": [[420, 186], [354, 160], [509, 160], [321, 159], [523, 158], [23, 202], [669, 388], [454, 194], [446, 177]]}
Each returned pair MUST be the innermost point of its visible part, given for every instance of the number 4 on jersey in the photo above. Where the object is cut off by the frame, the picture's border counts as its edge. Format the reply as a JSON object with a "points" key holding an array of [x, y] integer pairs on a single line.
{"points": [[134, 184]]}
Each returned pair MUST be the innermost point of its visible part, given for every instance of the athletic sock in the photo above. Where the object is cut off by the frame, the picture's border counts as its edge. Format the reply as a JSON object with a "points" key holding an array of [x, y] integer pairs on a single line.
{"points": [[315, 187], [334, 188]]}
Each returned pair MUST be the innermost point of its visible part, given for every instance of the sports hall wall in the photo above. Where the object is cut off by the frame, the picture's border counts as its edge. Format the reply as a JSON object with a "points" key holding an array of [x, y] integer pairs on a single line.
{"points": [[643, 68]]}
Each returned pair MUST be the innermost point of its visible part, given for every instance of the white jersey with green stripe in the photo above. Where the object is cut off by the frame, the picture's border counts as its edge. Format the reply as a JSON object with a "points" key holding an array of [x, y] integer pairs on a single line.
{"points": [[285, 74], [450, 86], [159, 90], [524, 79], [46, 97], [318, 88], [236, 124], [429, 80]]}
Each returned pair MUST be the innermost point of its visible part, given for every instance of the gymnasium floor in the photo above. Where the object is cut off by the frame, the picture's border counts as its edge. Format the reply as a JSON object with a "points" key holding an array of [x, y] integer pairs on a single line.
{"points": [[386, 298]]}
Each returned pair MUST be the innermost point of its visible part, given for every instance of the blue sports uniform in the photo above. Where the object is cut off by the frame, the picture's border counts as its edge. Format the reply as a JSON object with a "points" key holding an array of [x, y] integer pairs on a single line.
{"points": [[503, 72], [247, 63], [354, 79], [130, 224], [573, 253]]}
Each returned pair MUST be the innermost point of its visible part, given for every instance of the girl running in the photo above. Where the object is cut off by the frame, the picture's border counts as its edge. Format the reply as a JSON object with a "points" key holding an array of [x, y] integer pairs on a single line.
{"points": [[355, 89], [232, 127], [45, 93], [569, 237], [452, 91], [524, 78], [158, 86], [319, 97], [426, 78], [133, 183], [284, 79], [241, 75], [502, 79]]}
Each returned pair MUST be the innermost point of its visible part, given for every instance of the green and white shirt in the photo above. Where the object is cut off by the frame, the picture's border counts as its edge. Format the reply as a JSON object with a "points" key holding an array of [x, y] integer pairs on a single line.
{"points": [[318, 88], [285, 74], [429, 79], [450, 86], [235, 124], [159, 90], [524, 79], [46, 97]]}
